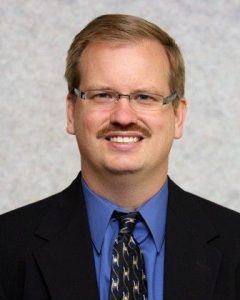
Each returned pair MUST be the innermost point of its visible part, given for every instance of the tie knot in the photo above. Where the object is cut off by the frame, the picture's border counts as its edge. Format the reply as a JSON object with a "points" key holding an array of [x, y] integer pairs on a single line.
{"points": [[127, 221]]}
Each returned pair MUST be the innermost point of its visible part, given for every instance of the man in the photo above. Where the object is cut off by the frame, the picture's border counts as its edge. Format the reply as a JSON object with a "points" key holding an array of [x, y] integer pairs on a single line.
{"points": [[125, 106]]}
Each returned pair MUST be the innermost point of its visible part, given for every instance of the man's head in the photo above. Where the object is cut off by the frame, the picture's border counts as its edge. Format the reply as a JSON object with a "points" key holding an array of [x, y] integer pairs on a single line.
{"points": [[124, 55], [124, 28]]}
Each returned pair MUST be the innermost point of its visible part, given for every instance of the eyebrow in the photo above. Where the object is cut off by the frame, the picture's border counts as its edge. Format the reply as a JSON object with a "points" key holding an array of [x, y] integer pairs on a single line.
{"points": [[151, 90], [98, 87]]}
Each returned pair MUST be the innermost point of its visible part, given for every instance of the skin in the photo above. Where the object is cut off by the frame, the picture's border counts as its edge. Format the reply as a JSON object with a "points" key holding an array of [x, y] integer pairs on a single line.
{"points": [[126, 174]]}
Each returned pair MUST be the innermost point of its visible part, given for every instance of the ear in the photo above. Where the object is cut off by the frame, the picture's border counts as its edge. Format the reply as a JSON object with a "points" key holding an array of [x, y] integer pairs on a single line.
{"points": [[70, 107], [180, 115]]}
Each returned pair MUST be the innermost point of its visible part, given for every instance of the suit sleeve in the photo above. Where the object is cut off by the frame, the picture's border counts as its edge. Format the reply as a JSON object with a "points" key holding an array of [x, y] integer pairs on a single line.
{"points": [[2, 295], [238, 281]]}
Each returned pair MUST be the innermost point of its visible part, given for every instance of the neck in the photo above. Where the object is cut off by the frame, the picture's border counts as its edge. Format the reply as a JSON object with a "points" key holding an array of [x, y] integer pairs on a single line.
{"points": [[128, 191]]}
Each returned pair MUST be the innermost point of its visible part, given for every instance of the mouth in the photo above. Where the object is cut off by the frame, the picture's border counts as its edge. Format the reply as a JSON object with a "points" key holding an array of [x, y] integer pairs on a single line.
{"points": [[124, 139]]}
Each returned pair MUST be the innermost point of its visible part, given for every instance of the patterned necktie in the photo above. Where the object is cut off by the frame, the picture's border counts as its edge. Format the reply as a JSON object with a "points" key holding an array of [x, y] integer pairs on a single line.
{"points": [[128, 280]]}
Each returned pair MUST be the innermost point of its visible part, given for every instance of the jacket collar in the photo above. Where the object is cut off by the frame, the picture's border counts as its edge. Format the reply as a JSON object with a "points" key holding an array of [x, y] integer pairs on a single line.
{"points": [[65, 260]]}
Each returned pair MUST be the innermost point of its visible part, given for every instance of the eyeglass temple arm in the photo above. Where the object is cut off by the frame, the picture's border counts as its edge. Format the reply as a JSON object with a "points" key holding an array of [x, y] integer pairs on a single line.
{"points": [[170, 98], [78, 93]]}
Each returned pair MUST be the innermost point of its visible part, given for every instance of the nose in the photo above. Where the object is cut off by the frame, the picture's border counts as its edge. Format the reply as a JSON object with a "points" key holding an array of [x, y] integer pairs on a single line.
{"points": [[123, 113]]}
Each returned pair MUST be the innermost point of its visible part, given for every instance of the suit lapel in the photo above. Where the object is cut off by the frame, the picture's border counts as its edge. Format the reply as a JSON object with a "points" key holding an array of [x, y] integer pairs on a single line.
{"points": [[191, 263], [66, 259]]}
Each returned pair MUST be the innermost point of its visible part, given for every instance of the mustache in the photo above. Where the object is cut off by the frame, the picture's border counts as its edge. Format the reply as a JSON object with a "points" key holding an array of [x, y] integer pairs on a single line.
{"points": [[116, 128]]}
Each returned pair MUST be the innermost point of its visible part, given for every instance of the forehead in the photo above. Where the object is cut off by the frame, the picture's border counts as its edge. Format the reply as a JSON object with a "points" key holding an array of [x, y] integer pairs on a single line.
{"points": [[126, 61]]}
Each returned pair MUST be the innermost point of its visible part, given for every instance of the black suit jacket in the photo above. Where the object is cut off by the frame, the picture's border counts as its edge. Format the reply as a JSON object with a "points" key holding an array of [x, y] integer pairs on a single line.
{"points": [[46, 251]]}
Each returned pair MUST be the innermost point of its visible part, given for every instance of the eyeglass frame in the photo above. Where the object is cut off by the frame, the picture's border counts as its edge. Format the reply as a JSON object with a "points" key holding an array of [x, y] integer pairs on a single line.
{"points": [[164, 100]]}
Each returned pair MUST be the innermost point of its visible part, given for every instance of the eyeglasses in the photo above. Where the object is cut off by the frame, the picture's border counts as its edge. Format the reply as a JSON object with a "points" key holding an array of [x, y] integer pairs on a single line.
{"points": [[140, 101]]}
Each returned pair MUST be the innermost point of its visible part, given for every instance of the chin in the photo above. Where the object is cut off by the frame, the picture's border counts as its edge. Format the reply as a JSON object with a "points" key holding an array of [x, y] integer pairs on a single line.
{"points": [[122, 171]]}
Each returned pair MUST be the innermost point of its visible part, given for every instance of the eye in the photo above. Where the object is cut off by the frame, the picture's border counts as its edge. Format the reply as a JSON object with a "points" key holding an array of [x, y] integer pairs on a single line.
{"points": [[144, 98], [100, 95]]}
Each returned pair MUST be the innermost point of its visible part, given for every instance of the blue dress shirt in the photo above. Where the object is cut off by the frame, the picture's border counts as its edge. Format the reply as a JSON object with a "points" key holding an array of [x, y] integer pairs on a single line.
{"points": [[150, 235]]}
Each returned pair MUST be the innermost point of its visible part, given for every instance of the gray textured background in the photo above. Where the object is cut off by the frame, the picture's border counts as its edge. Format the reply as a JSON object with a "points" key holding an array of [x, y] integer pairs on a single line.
{"points": [[38, 158]]}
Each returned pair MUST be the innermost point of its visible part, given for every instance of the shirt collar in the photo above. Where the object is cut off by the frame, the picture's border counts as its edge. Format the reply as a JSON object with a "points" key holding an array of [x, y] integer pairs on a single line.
{"points": [[100, 211], [154, 213]]}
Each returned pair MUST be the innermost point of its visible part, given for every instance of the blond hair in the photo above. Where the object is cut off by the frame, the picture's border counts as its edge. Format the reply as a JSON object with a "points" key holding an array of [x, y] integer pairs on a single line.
{"points": [[118, 27]]}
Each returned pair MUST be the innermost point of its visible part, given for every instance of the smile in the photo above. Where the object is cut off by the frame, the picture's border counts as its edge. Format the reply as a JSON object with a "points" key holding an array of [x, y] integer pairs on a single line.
{"points": [[124, 139]]}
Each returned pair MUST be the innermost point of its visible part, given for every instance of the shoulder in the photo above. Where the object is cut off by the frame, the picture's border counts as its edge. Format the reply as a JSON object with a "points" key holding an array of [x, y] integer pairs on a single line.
{"points": [[25, 219], [30, 213], [17, 227], [223, 218]]}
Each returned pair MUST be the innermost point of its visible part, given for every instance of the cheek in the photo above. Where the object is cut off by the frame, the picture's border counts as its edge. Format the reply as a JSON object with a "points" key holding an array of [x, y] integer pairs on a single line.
{"points": [[163, 127], [88, 122], [85, 132], [159, 122], [81, 122]]}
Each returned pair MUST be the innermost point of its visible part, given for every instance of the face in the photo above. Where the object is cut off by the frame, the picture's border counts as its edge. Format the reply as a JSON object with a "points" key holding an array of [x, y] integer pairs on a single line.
{"points": [[120, 140]]}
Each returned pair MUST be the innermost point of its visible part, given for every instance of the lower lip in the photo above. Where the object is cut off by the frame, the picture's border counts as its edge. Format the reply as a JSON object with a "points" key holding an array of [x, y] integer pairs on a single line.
{"points": [[124, 146]]}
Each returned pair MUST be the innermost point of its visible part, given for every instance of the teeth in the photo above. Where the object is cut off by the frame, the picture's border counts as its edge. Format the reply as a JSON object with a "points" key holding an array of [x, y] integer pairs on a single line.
{"points": [[124, 139]]}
